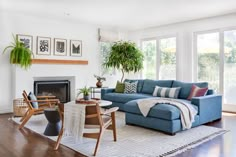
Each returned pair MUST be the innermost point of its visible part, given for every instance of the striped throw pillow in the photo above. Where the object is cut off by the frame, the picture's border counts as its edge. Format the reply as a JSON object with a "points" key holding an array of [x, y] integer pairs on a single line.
{"points": [[197, 92], [166, 92]]}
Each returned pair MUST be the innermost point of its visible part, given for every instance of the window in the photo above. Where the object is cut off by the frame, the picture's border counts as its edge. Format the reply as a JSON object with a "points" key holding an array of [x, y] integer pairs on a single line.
{"points": [[149, 50], [208, 59], [159, 58], [216, 63], [168, 58], [230, 67], [105, 48]]}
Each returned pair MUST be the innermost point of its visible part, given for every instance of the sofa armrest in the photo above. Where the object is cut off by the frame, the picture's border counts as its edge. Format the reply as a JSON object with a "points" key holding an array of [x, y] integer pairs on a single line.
{"points": [[209, 107], [105, 91]]}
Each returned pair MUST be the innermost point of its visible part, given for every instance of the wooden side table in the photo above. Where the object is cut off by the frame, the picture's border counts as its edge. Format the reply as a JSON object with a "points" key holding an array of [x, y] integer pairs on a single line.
{"points": [[95, 90]]}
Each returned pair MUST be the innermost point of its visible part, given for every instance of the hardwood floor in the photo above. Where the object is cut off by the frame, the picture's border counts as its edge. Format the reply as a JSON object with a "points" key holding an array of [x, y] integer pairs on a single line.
{"points": [[25, 143]]}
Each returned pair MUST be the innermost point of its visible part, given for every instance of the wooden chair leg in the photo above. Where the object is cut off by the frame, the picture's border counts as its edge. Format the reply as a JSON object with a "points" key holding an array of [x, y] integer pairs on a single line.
{"points": [[25, 120], [98, 142], [113, 125], [58, 139], [24, 116]]}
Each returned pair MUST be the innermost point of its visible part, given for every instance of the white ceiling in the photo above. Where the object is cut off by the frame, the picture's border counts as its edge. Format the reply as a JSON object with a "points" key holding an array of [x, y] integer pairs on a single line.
{"points": [[123, 14]]}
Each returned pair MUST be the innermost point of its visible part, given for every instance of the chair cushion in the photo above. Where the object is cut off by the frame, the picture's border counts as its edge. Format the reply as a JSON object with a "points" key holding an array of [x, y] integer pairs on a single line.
{"points": [[123, 97], [166, 92], [149, 85], [186, 87], [131, 87], [163, 111], [140, 84], [31, 96], [120, 87]]}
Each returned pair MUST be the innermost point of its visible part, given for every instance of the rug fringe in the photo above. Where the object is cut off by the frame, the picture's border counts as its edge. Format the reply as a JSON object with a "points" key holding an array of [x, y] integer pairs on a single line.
{"points": [[193, 144]]}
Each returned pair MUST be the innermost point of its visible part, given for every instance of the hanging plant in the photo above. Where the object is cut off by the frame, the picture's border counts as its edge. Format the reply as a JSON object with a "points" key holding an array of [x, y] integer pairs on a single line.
{"points": [[19, 54]]}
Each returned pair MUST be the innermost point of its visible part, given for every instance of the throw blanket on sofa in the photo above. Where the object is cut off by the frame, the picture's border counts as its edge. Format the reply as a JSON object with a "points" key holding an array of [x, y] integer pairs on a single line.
{"points": [[187, 111]]}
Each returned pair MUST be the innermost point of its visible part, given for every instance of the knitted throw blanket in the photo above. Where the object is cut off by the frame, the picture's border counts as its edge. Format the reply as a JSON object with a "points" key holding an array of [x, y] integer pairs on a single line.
{"points": [[187, 111], [74, 119]]}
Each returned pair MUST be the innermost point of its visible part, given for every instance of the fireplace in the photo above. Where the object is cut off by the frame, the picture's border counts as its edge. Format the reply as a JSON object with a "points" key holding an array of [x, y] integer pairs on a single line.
{"points": [[58, 88]]}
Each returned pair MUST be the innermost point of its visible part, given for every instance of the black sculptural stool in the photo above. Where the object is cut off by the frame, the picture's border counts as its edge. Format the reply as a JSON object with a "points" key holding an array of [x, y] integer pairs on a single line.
{"points": [[54, 125]]}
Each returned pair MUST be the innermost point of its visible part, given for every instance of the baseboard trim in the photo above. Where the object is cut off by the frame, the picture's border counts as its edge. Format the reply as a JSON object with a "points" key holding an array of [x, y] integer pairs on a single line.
{"points": [[6, 110]]}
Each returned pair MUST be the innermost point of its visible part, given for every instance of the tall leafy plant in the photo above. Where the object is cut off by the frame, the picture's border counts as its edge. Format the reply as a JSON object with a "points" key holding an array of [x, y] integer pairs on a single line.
{"points": [[19, 54], [125, 56]]}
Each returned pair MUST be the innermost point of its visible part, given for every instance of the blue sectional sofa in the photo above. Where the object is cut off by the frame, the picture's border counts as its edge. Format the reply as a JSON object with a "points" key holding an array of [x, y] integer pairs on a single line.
{"points": [[165, 117]]}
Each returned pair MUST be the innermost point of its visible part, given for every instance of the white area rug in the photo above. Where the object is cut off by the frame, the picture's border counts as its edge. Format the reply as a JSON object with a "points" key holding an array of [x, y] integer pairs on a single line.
{"points": [[133, 141]]}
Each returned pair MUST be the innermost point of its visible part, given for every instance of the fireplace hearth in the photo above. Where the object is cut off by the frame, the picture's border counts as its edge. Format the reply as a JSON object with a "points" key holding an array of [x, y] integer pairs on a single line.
{"points": [[58, 88]]}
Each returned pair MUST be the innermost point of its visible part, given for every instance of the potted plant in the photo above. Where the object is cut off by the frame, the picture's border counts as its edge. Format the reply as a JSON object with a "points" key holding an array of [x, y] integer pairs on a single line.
{"points": [[19, 54], [125, 56], [100, 79], [86, 92]]}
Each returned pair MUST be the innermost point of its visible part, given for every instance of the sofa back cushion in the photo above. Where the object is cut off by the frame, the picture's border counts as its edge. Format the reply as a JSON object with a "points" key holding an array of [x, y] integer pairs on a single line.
{"points": [[149, 85], [186, 87], [139, 86]]}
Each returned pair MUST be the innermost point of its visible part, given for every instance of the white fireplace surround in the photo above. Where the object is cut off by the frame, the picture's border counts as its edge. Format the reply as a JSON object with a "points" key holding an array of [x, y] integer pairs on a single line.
{"points": [[24, 79]]}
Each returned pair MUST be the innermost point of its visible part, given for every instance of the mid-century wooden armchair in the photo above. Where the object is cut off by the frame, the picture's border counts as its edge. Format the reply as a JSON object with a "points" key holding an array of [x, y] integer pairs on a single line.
{"points": [[93, 119], [43, 102]]}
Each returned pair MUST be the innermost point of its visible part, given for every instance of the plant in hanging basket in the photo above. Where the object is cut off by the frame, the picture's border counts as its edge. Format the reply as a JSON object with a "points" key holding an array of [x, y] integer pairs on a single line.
{"points": [[19, 54]]}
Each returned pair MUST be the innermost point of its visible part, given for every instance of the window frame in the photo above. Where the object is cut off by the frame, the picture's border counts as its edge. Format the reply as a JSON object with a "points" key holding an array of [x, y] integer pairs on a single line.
{"points": [[158, 53]]}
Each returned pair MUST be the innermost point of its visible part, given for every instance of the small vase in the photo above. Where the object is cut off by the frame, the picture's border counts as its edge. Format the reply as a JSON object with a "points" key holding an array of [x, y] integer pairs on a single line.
{"points": [[99, 84]]}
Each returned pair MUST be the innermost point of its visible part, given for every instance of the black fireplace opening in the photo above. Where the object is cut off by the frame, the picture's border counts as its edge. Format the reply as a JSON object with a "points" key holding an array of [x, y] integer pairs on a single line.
{"points": [[58, 88]]}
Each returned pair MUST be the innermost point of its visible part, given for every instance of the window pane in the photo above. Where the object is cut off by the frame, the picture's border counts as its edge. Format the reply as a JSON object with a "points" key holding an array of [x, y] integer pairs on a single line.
{"points": [[208, 59], [230, 67], [105, 49], [168, 58], [149, 50]]}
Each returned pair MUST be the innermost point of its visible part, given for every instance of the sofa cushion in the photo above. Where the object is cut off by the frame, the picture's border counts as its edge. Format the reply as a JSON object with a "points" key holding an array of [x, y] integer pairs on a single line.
{"points": [[140, 84], [131, 87], [123, 97], [197, 92], [149, 85], [166, 92], [186, 87], [163, 111], [120, 87]]}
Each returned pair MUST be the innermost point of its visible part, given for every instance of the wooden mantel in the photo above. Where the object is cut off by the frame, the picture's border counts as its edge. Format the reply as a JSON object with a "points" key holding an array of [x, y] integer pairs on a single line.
{"points": [[59, 61]]}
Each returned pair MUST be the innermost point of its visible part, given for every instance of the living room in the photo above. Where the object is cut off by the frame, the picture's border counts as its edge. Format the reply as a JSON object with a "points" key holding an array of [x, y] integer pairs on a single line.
{"points": [[187, 29]]}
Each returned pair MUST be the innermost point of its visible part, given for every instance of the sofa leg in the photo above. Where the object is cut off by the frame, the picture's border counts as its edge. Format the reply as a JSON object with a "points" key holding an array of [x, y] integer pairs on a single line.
{"points": [[172, 134]]}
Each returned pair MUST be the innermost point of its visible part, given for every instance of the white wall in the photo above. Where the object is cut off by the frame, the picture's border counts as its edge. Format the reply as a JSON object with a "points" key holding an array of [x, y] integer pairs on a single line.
{"points": [[184, 32], [13, 80]]}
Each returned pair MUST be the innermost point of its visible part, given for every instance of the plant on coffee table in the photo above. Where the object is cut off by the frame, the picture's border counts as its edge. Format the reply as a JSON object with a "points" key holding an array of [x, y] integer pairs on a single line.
{"points": [[85, 91]]}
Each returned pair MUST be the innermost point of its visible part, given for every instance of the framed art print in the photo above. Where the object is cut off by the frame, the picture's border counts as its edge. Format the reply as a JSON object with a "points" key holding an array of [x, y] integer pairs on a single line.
{"points": [[76, 48], [43, 45], [59, 47], [27, 40]]}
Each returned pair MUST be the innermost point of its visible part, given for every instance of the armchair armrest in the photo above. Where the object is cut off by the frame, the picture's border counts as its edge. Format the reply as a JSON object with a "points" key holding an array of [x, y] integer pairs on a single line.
{"points": [[209, 107], [45, 100], [105, 91]]}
